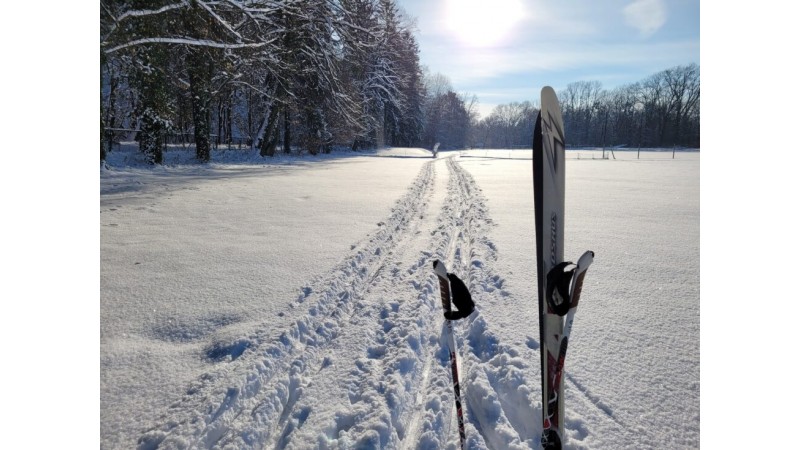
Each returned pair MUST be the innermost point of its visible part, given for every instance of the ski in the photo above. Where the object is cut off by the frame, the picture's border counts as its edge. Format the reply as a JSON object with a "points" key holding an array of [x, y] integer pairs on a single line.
{"points": [[559, 282], [444, 289]]}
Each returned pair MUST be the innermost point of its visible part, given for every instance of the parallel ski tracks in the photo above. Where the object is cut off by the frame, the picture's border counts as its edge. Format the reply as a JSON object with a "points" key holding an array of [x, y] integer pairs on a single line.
{"points": [[384, 291], [271, 372]]}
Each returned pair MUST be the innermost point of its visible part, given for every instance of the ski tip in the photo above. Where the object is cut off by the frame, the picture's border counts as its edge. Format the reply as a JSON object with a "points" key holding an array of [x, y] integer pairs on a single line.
{"points": [[439, 268], [586, 259]]}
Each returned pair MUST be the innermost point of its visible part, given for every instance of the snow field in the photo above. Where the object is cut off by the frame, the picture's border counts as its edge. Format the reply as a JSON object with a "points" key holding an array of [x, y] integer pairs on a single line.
{"points": [[355, 357], [632, 370], [288, 396]]}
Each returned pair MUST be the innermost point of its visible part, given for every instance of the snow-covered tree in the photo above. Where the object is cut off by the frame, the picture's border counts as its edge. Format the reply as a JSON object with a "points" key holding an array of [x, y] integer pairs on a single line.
{"points": [[312, 71], [403, 118]]}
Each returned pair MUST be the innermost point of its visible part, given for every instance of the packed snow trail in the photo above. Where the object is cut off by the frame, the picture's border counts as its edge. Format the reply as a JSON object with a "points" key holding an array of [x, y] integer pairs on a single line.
{"points": [[365, 367]]}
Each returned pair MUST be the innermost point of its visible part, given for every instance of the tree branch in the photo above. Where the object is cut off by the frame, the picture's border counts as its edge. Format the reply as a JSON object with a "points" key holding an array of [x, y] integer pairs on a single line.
{"points": [[187, 41]]}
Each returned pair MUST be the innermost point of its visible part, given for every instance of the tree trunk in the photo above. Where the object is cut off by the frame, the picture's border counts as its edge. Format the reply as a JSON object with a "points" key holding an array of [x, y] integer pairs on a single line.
{"points": [[200, 88], [270, 139], [228, 123], [151, 139], [250, 138], [287, 131], [102, 138]]}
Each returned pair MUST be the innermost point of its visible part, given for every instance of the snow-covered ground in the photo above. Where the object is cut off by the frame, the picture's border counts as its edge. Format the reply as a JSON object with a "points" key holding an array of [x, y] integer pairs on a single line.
{"points": [[290, 302]]}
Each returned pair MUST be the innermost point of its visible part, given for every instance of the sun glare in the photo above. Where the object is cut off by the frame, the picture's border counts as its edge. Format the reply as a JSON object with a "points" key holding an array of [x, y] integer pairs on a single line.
{"points": [[483, 23]]}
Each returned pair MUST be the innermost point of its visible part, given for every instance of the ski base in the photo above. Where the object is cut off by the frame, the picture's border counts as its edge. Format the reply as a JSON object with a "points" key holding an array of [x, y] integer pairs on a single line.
{"points": [[559, 282]]}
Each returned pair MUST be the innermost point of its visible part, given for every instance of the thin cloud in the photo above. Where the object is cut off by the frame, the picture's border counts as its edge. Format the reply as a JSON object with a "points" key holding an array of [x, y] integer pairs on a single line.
{"points": [[476, 67], [559, 42], [647, 16]]}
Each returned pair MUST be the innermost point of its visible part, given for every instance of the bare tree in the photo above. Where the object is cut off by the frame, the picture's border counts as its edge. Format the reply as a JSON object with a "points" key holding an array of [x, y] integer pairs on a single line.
{"points": [[663, 109], [683, 86]]}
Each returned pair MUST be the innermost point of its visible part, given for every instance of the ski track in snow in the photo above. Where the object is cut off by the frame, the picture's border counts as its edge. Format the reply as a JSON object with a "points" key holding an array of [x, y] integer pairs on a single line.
{"points": [[379, 309]]}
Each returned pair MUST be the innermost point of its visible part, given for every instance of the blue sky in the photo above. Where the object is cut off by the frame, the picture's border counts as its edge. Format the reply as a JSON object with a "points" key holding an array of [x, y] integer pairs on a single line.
{"points": [[506, 50]]}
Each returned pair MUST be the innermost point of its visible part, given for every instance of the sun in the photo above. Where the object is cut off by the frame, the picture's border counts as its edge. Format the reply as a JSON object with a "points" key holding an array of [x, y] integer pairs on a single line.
{"points": [[483, 23]]}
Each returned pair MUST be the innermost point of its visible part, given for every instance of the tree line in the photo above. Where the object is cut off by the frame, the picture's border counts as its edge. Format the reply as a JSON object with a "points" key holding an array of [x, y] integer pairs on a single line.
{"points": [[662, 110], [279, 75]]}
